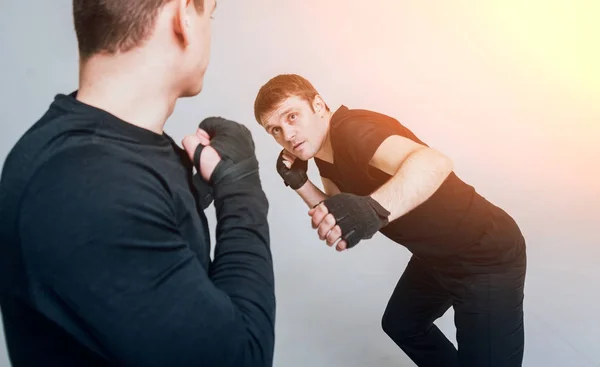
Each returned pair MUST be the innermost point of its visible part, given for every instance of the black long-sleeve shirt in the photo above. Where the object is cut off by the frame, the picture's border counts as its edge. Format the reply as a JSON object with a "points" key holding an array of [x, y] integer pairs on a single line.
{"points": [[105, 252]]}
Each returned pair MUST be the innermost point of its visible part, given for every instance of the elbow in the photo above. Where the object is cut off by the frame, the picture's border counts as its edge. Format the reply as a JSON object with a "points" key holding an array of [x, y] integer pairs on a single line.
{"points": [[237, 343], [259, 353], [436, 160], [447, 164], [250, 343], [251, 349], [443, 163], [242, 346]]}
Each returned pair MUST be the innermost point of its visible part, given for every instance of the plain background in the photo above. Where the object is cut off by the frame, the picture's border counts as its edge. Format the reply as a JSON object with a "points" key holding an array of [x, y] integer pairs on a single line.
{"points": [[508, 89]]}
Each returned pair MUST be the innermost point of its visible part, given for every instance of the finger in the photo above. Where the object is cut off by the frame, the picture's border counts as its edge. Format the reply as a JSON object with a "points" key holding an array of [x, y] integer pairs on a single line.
{"points": [[203, 140], [190, 143], [318, 214], [202, 134], [334, 235], [287, 164], [325, 226], [341, 246], [312, 210], [287, 156]]}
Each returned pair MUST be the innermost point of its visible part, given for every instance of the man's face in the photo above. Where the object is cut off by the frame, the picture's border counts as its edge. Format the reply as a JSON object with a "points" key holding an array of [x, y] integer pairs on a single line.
{"points": [[197, 54], [296, 127]]}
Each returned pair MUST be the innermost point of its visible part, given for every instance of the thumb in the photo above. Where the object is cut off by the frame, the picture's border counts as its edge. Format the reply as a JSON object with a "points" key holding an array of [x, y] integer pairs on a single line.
{"points": [[190, 143], [203, 135]]}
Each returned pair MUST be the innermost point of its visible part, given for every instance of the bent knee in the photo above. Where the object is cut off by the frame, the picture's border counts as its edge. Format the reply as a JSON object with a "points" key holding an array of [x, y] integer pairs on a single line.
{"points": [[401, 327]]}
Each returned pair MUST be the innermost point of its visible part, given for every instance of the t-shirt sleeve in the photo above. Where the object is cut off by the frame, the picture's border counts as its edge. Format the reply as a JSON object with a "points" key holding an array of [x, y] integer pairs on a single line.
{"points": [[358, 137], [101, 234]]}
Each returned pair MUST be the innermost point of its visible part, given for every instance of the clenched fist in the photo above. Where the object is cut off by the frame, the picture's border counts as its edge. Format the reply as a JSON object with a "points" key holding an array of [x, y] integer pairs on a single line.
{"points": [[292, 170], [222, 149], [208, 159]]}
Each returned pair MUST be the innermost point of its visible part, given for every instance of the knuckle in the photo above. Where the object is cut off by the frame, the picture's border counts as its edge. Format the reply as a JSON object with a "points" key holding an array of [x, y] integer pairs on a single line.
{"points": [[322, 232], [318, 216], [329, 219], [332, 237], [314, 223], [328, 233]]}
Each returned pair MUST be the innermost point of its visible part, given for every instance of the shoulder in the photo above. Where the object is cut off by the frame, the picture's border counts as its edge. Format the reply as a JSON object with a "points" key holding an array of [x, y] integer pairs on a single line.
{"points": [[86, 202], [356, 121], [94, 174], [357, 134], [362, 125], [71, 154], [58, 133], [90, 192]]}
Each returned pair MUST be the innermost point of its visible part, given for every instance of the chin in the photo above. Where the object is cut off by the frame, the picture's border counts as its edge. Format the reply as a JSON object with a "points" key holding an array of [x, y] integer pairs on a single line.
{"points": [[192, 91], [193, 83], [305, 156]]}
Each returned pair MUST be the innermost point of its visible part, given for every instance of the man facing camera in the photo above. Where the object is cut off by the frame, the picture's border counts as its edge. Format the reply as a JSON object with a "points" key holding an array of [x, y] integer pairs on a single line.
{"points": [[104, 244], [378, 176]]}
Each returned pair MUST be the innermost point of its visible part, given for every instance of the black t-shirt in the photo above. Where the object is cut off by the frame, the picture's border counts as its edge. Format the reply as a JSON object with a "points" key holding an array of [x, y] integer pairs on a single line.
{"points": [[105, 252], [452, 227]]}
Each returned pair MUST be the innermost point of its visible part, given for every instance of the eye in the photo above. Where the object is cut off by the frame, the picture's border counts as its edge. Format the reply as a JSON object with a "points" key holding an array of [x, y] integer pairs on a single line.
{"points": [[292, 116], [275, 130]]}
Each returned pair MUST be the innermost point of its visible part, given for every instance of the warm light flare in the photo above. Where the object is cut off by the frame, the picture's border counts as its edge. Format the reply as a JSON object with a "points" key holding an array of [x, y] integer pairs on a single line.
{"points": [[561, 38]]}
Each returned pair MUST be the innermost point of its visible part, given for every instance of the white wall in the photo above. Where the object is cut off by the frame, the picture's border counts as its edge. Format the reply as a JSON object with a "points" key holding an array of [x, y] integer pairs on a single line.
{"points": [[508, 90]]}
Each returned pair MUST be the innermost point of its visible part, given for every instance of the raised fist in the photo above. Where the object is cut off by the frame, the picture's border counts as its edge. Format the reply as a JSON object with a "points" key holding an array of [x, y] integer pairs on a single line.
{"points": [[292, 170]]}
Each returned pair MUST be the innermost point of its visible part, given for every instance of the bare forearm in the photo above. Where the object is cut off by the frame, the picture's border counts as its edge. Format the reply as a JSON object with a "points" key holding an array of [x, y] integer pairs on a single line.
{"points": [[311, 194], [421, 174]]}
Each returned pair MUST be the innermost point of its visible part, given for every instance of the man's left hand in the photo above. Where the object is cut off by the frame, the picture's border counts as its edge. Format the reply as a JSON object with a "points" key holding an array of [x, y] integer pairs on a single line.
{"points": [[348, 217], [325, 224]]}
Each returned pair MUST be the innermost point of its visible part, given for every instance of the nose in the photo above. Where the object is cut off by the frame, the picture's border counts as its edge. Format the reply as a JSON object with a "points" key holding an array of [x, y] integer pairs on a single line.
{"points": [[288, 132]]}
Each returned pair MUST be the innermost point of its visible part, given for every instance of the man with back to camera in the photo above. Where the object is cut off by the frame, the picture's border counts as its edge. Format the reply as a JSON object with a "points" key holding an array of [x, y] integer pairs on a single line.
{"points": [[104, 243], [378, 176]]}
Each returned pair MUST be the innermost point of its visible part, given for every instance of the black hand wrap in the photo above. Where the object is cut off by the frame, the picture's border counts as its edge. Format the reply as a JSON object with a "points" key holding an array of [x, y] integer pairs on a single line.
{"points": [[233, 141], [205, 191], [295, 176], [359, 217]]}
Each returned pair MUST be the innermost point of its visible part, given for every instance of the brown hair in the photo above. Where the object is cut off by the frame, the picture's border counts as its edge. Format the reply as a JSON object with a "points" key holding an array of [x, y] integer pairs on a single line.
{"points": [[115, 25], [277, 89]]}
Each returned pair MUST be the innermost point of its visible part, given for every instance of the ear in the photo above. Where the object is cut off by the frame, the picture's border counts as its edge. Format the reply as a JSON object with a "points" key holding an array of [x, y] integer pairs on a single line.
{"points": [[318, 104], [183, 21]]}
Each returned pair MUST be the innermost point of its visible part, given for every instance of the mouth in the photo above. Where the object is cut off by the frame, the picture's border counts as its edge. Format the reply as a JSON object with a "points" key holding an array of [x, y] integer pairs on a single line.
{"points": [[298, 145]]}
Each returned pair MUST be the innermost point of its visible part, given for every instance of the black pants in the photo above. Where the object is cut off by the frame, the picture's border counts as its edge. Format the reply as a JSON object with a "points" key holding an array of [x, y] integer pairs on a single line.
{"points": [[488, 315]]}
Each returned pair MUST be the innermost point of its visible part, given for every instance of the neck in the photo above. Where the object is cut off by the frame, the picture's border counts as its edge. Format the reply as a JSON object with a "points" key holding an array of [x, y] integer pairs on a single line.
{"points": [[326, 151], [128, 88]]}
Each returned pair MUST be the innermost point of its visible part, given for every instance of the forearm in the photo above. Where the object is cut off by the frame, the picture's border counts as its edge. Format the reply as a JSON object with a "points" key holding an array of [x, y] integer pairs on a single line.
{"points": [[311, 194], [242, 232], [242, 265], [419, 177]]}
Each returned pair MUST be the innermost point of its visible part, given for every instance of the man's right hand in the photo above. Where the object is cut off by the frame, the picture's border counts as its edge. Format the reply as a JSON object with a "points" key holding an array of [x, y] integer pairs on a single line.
{"points": [[209, 158], [292, 170], [230, 154]]}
